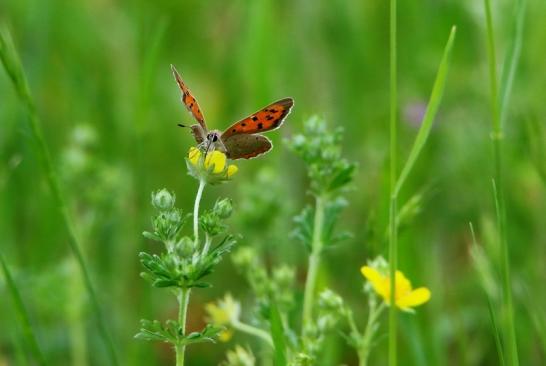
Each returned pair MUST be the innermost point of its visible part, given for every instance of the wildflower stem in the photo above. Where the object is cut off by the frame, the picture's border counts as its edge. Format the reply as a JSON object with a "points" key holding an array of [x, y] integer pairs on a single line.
{"points": [[496, 137], [314, 261], [183, 301], [371, 327], [249, 329], [202, 184], [393, 250]]}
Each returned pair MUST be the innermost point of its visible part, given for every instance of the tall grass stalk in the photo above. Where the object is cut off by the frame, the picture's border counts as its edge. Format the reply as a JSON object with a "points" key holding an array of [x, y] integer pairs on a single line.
{"points": [[393, 232], [397, 183], [28, 332], [496, 137], [14, 69]]}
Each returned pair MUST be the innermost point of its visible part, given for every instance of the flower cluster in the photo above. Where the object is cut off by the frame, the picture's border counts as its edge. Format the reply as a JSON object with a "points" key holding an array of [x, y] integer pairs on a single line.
{"points": [[223, 313], [211, 167]]}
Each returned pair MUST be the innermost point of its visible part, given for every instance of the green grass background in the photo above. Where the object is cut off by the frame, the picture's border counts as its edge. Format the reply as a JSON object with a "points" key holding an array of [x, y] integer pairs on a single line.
{"points": [[99, 73]]}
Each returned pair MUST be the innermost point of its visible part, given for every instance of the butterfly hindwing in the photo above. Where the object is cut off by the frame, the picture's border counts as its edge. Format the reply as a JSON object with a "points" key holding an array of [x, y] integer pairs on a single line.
{"points": [[266, 119], [188, 99], [246, 146]]}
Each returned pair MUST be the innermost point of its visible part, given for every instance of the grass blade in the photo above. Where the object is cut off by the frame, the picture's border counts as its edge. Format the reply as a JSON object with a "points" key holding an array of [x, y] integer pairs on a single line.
{"points": [[277, 334], [430, 114], [488, 282], [511, 60], [14, 69], [511, 351], [28, 332]]}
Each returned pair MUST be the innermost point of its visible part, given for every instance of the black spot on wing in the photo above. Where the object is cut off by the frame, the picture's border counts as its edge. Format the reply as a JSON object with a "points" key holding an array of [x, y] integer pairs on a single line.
{"points": [[260, 126]]}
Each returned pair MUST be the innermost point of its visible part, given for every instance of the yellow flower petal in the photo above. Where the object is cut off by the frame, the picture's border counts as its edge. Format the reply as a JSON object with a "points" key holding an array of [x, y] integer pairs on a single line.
{"points": [[231, 170], [414, 298], [403, 285], [194, 155], [376, 279], [217, 160]]}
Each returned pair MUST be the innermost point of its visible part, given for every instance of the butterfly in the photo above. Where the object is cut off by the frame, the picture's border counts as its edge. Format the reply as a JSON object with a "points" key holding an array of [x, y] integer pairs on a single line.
{"points": [[242, 140]]}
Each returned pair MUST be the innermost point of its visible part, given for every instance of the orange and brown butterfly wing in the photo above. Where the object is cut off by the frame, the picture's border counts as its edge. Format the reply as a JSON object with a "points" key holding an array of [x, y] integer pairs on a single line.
{"points": [[189, 101], [266, 119], [246, 146]]}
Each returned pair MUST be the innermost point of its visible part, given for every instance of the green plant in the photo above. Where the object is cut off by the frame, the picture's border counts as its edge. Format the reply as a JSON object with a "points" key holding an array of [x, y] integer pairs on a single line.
{"points": [[187, 261]]}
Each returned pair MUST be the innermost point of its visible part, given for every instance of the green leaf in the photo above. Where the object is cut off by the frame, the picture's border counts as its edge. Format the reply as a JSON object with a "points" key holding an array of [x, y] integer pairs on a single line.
{"points": [[430, 114]]}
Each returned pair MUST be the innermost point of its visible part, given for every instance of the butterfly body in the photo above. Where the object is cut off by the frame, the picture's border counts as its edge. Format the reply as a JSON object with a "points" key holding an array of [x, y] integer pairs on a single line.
{"points": [[242, 140]]}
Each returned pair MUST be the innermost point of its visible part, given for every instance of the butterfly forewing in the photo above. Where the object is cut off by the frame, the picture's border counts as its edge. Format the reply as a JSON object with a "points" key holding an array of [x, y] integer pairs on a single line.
{"points": [[189, 101], [246, 146], [266, 119]]}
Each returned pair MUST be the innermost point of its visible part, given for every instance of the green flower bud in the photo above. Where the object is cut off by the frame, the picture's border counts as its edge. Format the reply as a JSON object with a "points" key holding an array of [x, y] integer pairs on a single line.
{"points": [[163, 200], [184, 247], [167, 224], [223, 208], [211, 224]]}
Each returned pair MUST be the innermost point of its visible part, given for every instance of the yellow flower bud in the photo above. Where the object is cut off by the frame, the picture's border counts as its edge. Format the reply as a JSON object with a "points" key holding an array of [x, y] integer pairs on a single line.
{"points": [[231, 170]]}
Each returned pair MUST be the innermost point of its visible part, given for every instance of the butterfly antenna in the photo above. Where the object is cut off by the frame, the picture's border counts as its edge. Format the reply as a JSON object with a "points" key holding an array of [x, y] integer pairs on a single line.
{"points": [[181, 125]]}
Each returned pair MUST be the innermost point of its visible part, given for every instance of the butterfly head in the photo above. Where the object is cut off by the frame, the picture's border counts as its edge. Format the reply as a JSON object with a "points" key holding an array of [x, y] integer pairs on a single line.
{"points": [[213, 136]]}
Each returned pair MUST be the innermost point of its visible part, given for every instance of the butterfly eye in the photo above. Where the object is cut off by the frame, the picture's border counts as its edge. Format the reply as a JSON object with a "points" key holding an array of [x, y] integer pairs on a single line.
{"points": [[214, 138]]}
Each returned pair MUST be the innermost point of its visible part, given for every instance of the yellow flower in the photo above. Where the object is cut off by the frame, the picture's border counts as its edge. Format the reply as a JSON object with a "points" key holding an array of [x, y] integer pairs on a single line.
{"points": [[224, 313], [212, 168], [405, 296]]}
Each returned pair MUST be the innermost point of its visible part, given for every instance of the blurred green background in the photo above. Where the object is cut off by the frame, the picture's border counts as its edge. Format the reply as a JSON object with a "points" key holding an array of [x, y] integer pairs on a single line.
{"points": [[99, 73]]}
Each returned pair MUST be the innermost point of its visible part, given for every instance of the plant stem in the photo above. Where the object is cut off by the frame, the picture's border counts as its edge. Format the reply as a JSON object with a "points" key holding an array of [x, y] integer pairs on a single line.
{"points": [[184, 295], [496, 137], [202, 184], [364, 351], [183, 301], [249, 329], [13, 67], [314, 261], [393, 250], [206, 247]]}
